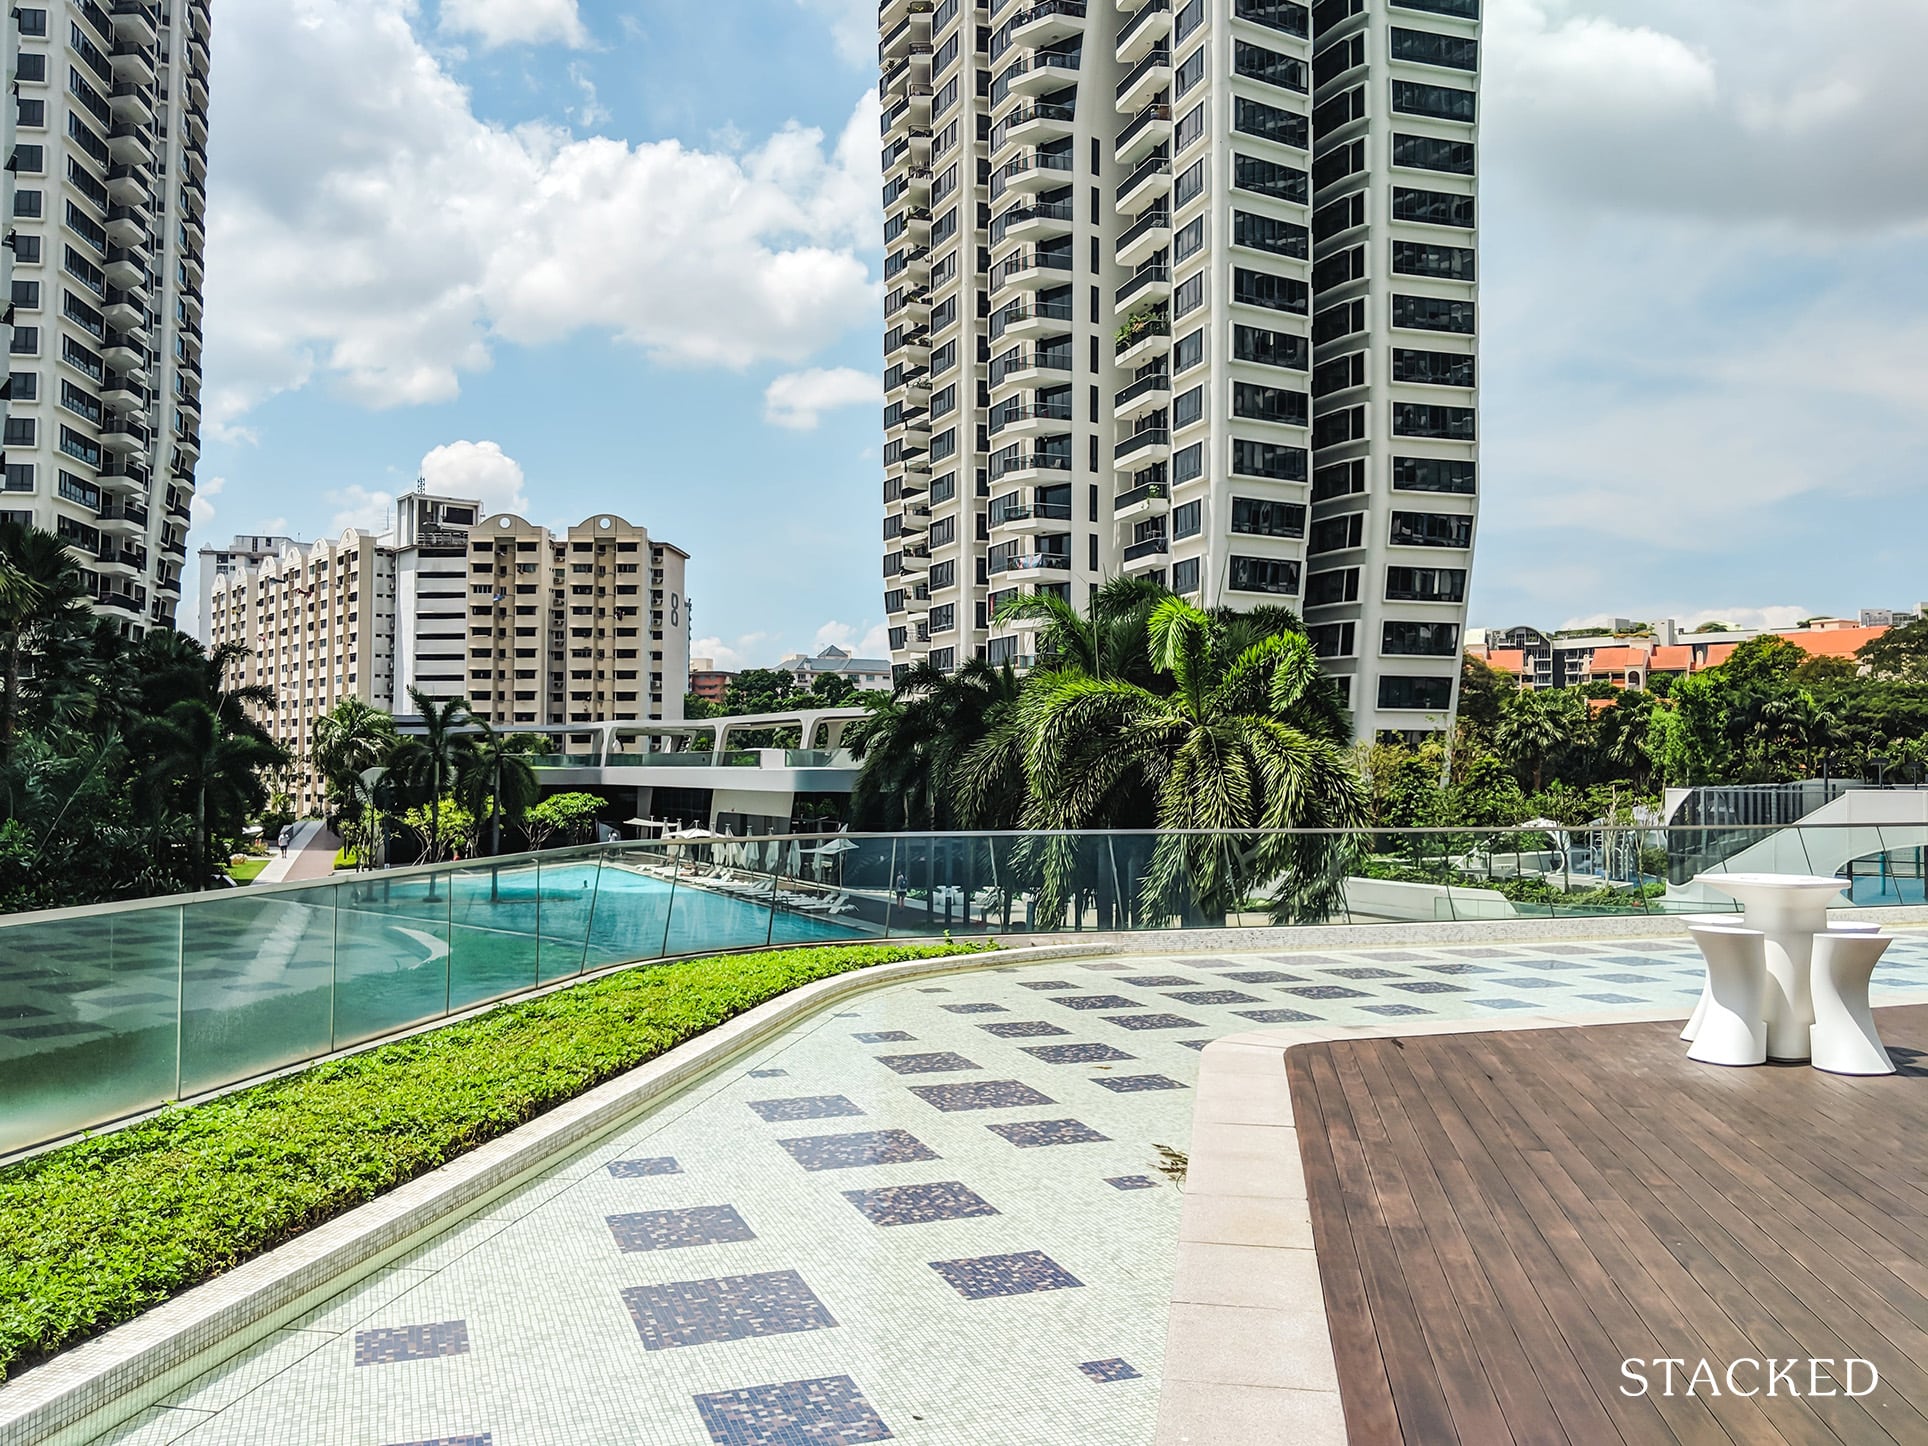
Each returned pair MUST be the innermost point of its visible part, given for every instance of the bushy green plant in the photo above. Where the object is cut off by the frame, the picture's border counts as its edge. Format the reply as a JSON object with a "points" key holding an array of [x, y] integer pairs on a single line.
{"points": [[97, 1232]]}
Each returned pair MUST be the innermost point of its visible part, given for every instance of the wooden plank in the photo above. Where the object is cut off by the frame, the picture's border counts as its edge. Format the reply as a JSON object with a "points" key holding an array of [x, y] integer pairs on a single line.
{"points": [[1421, 1404], [1478, 1289], [1588, 1261], [1456, 1358], [1696, 1225], [1365, 1393]]}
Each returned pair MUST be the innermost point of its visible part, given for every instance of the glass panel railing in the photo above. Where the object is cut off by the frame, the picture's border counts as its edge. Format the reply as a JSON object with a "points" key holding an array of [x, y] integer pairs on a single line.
{"points": [[88, 1020], [115, 1010], [258, 984]]}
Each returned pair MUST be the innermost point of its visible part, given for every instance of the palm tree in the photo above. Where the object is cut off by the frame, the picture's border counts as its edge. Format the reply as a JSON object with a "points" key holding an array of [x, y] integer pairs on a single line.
{"points": [[915, 741], [43, 591], [194, 752], [1535, 724], [1242, 742], [496, 774], [429, 763], [348, 738], [1107, 641]]}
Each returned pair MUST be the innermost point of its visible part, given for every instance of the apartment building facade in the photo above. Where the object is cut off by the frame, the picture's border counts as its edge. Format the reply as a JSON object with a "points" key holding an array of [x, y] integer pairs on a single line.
{"points": [[106, 201], [583, 627], [1185, 291], [244, 552], [534, 629]]}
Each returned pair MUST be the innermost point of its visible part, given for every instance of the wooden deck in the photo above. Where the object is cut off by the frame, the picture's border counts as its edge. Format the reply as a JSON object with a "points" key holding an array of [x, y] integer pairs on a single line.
{"points": [[1502, 1219]]}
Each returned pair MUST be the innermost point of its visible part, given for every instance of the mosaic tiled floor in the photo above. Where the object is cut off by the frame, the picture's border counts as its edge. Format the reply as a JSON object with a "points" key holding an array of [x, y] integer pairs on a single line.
{"points": [[938, 1213]]}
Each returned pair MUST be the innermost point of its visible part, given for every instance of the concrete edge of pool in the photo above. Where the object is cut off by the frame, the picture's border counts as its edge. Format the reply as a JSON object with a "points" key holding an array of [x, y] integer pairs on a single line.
{"points": [[88, 1390]]}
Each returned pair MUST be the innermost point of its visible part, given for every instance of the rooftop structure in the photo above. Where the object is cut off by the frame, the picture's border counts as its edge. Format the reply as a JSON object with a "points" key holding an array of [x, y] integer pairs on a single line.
{"points": [[1632, 655]]}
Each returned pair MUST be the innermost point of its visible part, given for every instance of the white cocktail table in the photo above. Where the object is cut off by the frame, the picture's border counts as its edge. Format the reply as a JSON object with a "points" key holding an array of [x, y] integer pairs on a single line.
{"points": [[1790, 909]]}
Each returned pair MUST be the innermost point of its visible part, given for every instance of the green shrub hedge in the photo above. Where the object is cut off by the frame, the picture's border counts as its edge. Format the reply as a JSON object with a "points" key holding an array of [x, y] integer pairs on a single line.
{"points": [[96, 1232]]}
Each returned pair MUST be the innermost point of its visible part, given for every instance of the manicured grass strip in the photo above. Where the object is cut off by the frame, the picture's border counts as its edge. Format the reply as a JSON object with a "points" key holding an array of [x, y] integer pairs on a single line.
{"points": [[95, 1233], [247, 870]]}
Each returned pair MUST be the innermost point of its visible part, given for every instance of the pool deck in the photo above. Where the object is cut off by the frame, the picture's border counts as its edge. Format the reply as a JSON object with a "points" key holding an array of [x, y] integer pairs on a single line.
{"points": [[1511, 1225]]}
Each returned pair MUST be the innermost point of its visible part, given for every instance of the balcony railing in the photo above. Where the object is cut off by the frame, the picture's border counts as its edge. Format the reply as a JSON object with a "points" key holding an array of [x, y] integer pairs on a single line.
{"points": [[1031, 462], [1036, 211], [1007, 511], [1145, 117], [1139, 440], [1131, 26], [1144, 276], [1152, 61], [1008, 316], [1057, 361], [1157, 382], [1044, 411], [1150, 547], [1140, 327], [1021, 262], [1149, 492], [1032, 562], [1155, 166], [1156, 219]]}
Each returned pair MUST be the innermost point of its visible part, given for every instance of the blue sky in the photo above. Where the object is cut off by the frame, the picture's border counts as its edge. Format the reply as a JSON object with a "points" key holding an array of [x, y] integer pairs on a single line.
{"points": [[586, 255]]}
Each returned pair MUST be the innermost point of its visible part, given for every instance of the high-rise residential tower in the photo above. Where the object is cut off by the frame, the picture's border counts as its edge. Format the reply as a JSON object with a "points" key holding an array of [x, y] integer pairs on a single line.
{"points": [[1190, 294], [105, 233]]}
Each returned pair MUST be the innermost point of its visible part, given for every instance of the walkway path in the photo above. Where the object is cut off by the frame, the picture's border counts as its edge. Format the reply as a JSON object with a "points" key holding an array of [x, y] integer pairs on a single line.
{"points": [[944, 1214], [311, 855]]}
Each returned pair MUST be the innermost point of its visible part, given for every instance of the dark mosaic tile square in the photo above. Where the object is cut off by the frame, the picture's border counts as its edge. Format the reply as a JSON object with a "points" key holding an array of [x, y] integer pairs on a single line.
{"points": [[676, 1229], [920, 1204], [1394, 1011], [1458, 968], [1264, 976], [767, 1073], [1431, 986], [1394, 956], [635, 1169], [1482, 953], [1623, 978], [1550, 964], [1327, 991], [1364, 971], [934, 1063], [994, 1275], [1613, 998], [1075, 1053], [389, 1344], [1132, 1182], [1202, 963], [23, 1011], [1530, 982], [934, 989], [871, 1147], [1213, 996], [727, 1308], [884, 1036], [1034, 1134], [1263, 1016], [72, 986], [1194, 1043], [129, 1001], [806, 1107], [1126, 1084], [980, 1094], [1023, 1029], [1097, 1001], [827, 1411], [1568, 949], [1504, 1003], [1151, 1021], [1046, 984], [974, 1008], [1302, 961], [1635, 961], [1162, 981], [484, 1439], [1105, 1372]]}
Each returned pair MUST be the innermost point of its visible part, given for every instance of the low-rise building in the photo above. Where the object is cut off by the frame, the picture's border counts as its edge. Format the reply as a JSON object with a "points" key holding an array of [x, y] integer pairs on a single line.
{"points": [[1632, 653], [871, 673], [709, 682]]}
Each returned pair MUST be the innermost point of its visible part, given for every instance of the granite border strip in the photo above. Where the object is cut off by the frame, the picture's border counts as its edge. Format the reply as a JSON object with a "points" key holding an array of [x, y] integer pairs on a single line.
{"points": [[88, 1390], [1248, 1351]]}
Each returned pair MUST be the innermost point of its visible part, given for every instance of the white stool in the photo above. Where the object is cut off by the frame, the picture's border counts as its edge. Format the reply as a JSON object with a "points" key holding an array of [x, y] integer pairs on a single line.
{"points": [[1852, 926], [1733, 1029], [1843, 1038], [1718, 921]]}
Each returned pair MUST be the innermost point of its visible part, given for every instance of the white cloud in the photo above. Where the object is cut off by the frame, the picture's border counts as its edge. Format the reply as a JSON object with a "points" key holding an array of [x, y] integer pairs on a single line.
{"points": [[874, 643], [476, 469], [853, 25], [516, 22], [206, 489], [592, 112], [387, 252], [749, 650], [796, 399], [358, 506]]}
